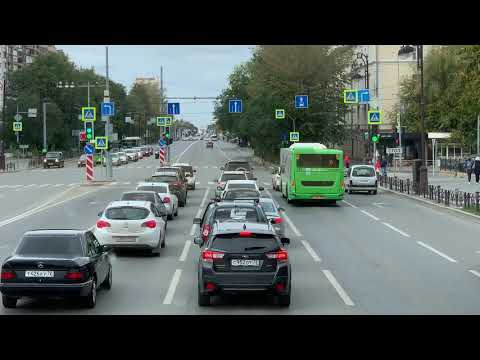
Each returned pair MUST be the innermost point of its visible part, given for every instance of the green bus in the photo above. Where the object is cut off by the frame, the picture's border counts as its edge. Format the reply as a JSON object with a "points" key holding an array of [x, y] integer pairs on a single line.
{"points": [[310, 171]]}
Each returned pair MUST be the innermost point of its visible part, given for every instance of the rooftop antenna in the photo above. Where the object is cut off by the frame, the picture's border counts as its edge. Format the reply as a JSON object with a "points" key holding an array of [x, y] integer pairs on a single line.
{"points": [[244, 227]]}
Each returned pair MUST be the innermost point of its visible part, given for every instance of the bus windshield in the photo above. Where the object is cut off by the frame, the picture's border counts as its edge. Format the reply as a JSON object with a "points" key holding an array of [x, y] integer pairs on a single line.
{"points": [[329, 161]]}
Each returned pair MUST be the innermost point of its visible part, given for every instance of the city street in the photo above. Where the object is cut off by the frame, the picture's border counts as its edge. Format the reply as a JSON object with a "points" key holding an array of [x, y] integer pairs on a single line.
{"points": [[369, 254]]}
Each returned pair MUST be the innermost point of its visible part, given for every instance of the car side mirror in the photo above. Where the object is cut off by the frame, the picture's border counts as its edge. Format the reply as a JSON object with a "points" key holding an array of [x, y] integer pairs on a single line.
{"points": [[261, 188], [194, 171], [285, 241], [219, 188], [222, 168], [198, 240], [197, 220], [105, 248], [100, 213], [272, 221]]}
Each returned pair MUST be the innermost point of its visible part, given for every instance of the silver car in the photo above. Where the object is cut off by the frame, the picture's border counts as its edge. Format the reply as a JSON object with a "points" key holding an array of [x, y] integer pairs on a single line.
{"points": [[273, 213], [362, 178], [123, 157]]}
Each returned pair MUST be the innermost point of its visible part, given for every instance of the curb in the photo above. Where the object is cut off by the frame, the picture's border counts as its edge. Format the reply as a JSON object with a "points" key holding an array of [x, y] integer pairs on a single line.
{"points": [[431, 203]]}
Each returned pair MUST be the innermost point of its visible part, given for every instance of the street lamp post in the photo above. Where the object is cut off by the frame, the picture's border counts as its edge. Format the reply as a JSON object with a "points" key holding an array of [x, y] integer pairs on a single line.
{"points": [[364, 59], [423, 178]]}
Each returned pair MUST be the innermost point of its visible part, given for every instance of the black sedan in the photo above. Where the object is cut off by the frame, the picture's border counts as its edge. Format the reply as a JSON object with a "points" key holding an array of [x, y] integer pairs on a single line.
{"points": [[56, 263]]}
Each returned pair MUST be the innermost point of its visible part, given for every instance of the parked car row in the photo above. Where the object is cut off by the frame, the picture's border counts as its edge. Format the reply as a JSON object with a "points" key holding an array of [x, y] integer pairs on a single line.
{"points": [[122, 157]]}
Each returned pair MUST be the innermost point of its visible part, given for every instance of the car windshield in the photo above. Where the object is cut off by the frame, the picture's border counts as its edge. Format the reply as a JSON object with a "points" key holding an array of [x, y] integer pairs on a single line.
{"points": [[56, 246], [165, 178], [241, 186], [237, 244], [268, 207], [156, 188], [138, 197], [330, 161], [363, 172], [240, 194], [52, 155], [226, 177], [126, 213]]}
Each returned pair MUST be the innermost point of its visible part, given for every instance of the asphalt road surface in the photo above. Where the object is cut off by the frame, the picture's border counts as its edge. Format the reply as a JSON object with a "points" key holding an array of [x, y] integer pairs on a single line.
{"points": [[369, 254]]}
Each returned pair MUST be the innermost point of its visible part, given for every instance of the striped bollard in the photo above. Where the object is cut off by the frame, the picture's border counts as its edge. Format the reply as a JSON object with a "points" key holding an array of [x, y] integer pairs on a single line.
{"points": [[89, 167]]}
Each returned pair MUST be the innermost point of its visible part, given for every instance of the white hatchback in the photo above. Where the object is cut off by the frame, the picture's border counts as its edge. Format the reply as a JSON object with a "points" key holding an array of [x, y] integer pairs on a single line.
{"points": [[362, 178], [169, 199], [131, 225]]}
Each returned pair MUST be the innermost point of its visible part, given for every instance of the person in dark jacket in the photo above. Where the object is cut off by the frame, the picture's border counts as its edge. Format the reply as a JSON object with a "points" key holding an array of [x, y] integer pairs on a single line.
{"points": [[476, 169], [384, 164], [468, 164]]}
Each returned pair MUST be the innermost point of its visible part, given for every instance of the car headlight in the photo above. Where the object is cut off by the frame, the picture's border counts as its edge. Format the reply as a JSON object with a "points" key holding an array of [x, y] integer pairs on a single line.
{"points": [[44, 160], [56, 160]]}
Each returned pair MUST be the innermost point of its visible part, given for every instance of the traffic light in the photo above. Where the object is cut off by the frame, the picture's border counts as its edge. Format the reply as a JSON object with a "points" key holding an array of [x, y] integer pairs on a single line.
{"points": [[167, 135], [375, 138], [89, 130]]}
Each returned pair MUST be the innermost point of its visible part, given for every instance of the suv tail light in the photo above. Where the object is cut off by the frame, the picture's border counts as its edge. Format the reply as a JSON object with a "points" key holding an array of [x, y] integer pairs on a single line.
{"points": [[280, 256], [151, 224], [74, 275], [245, 233], [102, 224], [209, 255], [8, 275], [166, 200], [278, 220], [206, 231]]}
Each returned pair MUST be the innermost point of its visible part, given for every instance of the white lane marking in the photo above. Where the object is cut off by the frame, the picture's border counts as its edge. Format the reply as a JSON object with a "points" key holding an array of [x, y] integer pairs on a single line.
{"points": [[346, 299], [311, 251], [139, 167], [265, 183], [395, 229], [31, 185], [126, 183], [149, 167], [223, 152], [202, 204], [215, 167], [113, 183], [44, 170], [368, 214], [58, 185], [173, 286], [211, 183], [184, 151], [197, 182], [15, 186], [72, 184], [44, 185], [436, 251], [188, 243], [287, 219], [2, 186], [353, 206], [205, 167], [476, 273], [379, 205]]}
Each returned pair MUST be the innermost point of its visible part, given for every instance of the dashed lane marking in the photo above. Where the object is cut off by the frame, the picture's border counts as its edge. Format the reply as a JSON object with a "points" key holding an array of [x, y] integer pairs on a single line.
{"points": [[395, 229], [476, 273], [184, 254], [370, 215], [340, 291], [436, 252], [312, 252], [173, 286], [353, 206]]}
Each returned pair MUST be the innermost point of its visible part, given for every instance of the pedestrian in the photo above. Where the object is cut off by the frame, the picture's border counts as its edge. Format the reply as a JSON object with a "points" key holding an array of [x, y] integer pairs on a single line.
{"points": [[377, 166], [384, 167], [476, 169], [468, 164], [347, 161]]}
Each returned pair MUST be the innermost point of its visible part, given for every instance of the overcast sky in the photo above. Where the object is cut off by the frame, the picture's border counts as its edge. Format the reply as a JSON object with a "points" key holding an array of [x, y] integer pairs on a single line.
{"points": [[188, 70]]}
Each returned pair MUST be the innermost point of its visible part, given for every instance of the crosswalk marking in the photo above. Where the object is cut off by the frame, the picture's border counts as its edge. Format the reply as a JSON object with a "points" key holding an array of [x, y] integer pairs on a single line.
{"points": [[57, 185], [44, 185], [126, 183]]}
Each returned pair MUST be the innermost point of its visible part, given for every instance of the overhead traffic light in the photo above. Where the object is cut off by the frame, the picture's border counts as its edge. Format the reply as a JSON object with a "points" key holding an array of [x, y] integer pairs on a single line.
{"points": [[89, 130], [375, 138]]}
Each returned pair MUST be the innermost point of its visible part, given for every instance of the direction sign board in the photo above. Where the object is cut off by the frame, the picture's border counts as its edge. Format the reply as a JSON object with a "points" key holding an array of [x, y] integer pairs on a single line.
{"points": [[350, 96], [394, 150], [24, 146], [301, 101], [108, 109], [17, 117], [374, 117], [101, 143], [17, 126], [32, 112], [89, 114], [173, 108], [235, 106], [279, 114], [88, 149], [363, 96], [294, 136]]}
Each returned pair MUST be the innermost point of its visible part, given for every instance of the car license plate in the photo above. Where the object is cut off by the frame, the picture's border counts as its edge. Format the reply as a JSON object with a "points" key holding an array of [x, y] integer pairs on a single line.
{"points": [[317, 197], [125, 239], [39, 273], [245, 262]]}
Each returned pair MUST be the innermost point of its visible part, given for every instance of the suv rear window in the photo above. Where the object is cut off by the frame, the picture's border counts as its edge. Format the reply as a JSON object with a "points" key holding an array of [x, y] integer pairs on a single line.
{"points": [[240, 244], [241, 194], [232, 166], [138, 197], [226, 177], [126, 213], [363, 172], [165, 178], [241, 186], [53, 155], [237, 213], [57, 246]]}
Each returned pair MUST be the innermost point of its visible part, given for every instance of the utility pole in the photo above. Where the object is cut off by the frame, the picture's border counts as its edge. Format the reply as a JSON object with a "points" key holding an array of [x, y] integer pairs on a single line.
{"points": [[45, 125], [478, 134], [107, 123]]}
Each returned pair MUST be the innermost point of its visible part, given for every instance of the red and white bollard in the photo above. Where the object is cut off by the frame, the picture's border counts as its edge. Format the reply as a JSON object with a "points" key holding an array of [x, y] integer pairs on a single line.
{"points": [[162, 155], [89, 167]]}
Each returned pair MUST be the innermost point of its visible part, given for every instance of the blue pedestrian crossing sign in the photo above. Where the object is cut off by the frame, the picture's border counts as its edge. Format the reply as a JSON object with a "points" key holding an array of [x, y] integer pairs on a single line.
{"points": [[301, 101], [294, 136], [101, 143], [108, 109], [374, 117], [164, 121], [363, 96], [350, 96], [161, 143], [88, 149], [89, 113], [235, 106], [279, 114], [173, 108]]}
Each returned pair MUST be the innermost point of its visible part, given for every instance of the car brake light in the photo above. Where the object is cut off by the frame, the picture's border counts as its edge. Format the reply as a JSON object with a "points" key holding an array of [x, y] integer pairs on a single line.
{"points": [[245, 233], [280, 286], [150, 224], [210, 286], [74, 275], [8, 275], [278, 220], [209, 255], [280, 256], [166, 200], [102, 224], [205, 231]]}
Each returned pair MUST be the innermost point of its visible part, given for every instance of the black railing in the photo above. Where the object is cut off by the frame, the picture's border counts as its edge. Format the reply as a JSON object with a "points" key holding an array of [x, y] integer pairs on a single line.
{"points": [[452, 165], [455, 198]]}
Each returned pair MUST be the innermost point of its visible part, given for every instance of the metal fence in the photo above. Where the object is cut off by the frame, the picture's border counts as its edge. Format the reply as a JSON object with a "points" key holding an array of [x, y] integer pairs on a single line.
{"points": [[452, 165], [454, 198]]}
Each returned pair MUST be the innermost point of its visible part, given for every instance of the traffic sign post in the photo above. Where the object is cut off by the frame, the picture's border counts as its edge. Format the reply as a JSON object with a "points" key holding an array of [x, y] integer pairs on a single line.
{"points": [[164, 120], [279, 114], [350, 96], [235, 106], [89, 167], [374, 117], [301, 101], [173, 108], [363, 96], [108, 109], [294, 136], [89, 113], [32, 112], [88, 149], [17, 126], [101, 143]]}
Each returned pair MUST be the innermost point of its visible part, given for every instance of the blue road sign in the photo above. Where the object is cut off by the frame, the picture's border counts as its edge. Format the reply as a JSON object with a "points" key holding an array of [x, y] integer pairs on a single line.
{"points": [[88, 149], [108, 109], [173, 108], [363, 96], [101, 142], [374, 117], [161, 143], [89, 114], [235, 106], [301, 101]]}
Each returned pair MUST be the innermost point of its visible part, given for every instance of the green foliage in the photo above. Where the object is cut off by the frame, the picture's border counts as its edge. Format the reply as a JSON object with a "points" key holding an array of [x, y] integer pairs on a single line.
{"points": [[271, 79]]}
